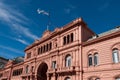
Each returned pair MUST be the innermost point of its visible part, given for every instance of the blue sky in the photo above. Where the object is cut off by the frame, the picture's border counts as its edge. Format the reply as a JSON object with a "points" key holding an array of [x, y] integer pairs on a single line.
{"points": [[20, 24]]}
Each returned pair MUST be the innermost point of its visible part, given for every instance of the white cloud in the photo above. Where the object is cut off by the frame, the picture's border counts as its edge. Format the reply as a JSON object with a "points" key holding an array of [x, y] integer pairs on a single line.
{"points": [[11, 49], [11, 15], [15, 20], [23, 31], [104, 6], [22, 41], [16, 39], [69, 8]]}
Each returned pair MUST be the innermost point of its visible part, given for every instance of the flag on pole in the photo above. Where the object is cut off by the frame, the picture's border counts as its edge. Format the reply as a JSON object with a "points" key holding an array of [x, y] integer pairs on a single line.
{"points": [[42, 12]]}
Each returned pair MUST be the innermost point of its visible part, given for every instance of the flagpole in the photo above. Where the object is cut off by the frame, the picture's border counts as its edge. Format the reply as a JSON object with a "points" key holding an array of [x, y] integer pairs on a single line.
{"points": [[48, 21]]}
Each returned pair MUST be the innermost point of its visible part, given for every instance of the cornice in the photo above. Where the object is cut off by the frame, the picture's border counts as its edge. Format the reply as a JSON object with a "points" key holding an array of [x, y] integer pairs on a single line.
{"points": [[102, 38]]}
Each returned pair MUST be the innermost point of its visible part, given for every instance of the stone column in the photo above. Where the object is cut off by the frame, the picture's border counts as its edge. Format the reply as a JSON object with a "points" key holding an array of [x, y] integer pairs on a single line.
{"points": [[54, 76], [77, 76], [35, 77], [48, 77]]}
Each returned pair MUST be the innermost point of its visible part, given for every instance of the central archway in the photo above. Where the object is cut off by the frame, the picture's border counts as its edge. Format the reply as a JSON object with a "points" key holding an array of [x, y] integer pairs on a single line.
{"points": [[42, 71]]}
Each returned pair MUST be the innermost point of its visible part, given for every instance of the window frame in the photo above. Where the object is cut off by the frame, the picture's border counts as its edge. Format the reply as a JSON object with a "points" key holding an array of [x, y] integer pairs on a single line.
{"points": [[68, 60], [90, 58], [96, 59], [29, 55], [115, 55], [54, 65], [118, 78]]}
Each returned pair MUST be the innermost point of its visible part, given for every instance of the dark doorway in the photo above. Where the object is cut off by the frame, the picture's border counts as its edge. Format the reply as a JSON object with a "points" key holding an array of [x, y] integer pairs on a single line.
{"points": [[42, 71]]}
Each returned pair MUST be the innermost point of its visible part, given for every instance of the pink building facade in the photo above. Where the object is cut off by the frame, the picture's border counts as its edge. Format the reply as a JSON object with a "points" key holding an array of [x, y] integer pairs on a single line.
{"points": [[72, 52]]}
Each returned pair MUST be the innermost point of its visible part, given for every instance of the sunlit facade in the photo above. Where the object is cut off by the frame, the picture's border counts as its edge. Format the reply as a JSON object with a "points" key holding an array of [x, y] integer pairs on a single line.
{"points": [[72, 52]]}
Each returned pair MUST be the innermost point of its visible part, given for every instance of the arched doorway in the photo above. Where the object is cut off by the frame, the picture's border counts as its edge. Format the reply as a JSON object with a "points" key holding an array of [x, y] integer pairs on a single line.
{"points": [[42, 71]]}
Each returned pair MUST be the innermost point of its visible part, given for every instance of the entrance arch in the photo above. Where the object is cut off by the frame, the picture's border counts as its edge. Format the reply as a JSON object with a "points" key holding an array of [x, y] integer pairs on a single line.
{"points": [[42, 71]]}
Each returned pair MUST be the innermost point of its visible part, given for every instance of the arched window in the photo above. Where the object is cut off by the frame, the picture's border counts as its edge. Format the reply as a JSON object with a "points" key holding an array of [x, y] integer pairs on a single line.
{"points": [[44, 49], [68, 39], [39, 51], [117, 78], [64, 40], [115, 54], [67, 78], [97, 79], [68, 60], [50, 46], [90, 62], [96, 60], [71, 37]]}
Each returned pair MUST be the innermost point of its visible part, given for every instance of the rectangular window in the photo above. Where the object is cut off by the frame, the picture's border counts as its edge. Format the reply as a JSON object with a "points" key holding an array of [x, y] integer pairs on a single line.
{"points": [[17, 72], [54, 64], [28, 55]]}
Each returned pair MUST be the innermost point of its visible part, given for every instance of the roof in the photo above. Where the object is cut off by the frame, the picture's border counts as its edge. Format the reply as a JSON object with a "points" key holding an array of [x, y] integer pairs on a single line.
{"points": [[110, 31], [18, 60], [4, 58], [105, 33], [103, 36]]}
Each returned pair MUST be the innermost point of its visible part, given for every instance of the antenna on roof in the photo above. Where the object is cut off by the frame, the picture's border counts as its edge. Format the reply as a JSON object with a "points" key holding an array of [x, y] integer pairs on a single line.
{"points": [[43, 12]]}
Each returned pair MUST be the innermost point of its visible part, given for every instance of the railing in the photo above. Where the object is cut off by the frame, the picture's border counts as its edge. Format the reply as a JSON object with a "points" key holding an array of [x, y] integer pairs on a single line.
{"points": [[50, 71], [61, 70], [67, 69]]}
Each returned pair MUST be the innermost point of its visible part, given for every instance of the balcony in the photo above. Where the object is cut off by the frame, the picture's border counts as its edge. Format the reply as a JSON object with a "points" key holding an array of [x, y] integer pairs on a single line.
{"points": [[62, 70], [27, 74], [4, 78], [66, 69], [51, 71]]}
